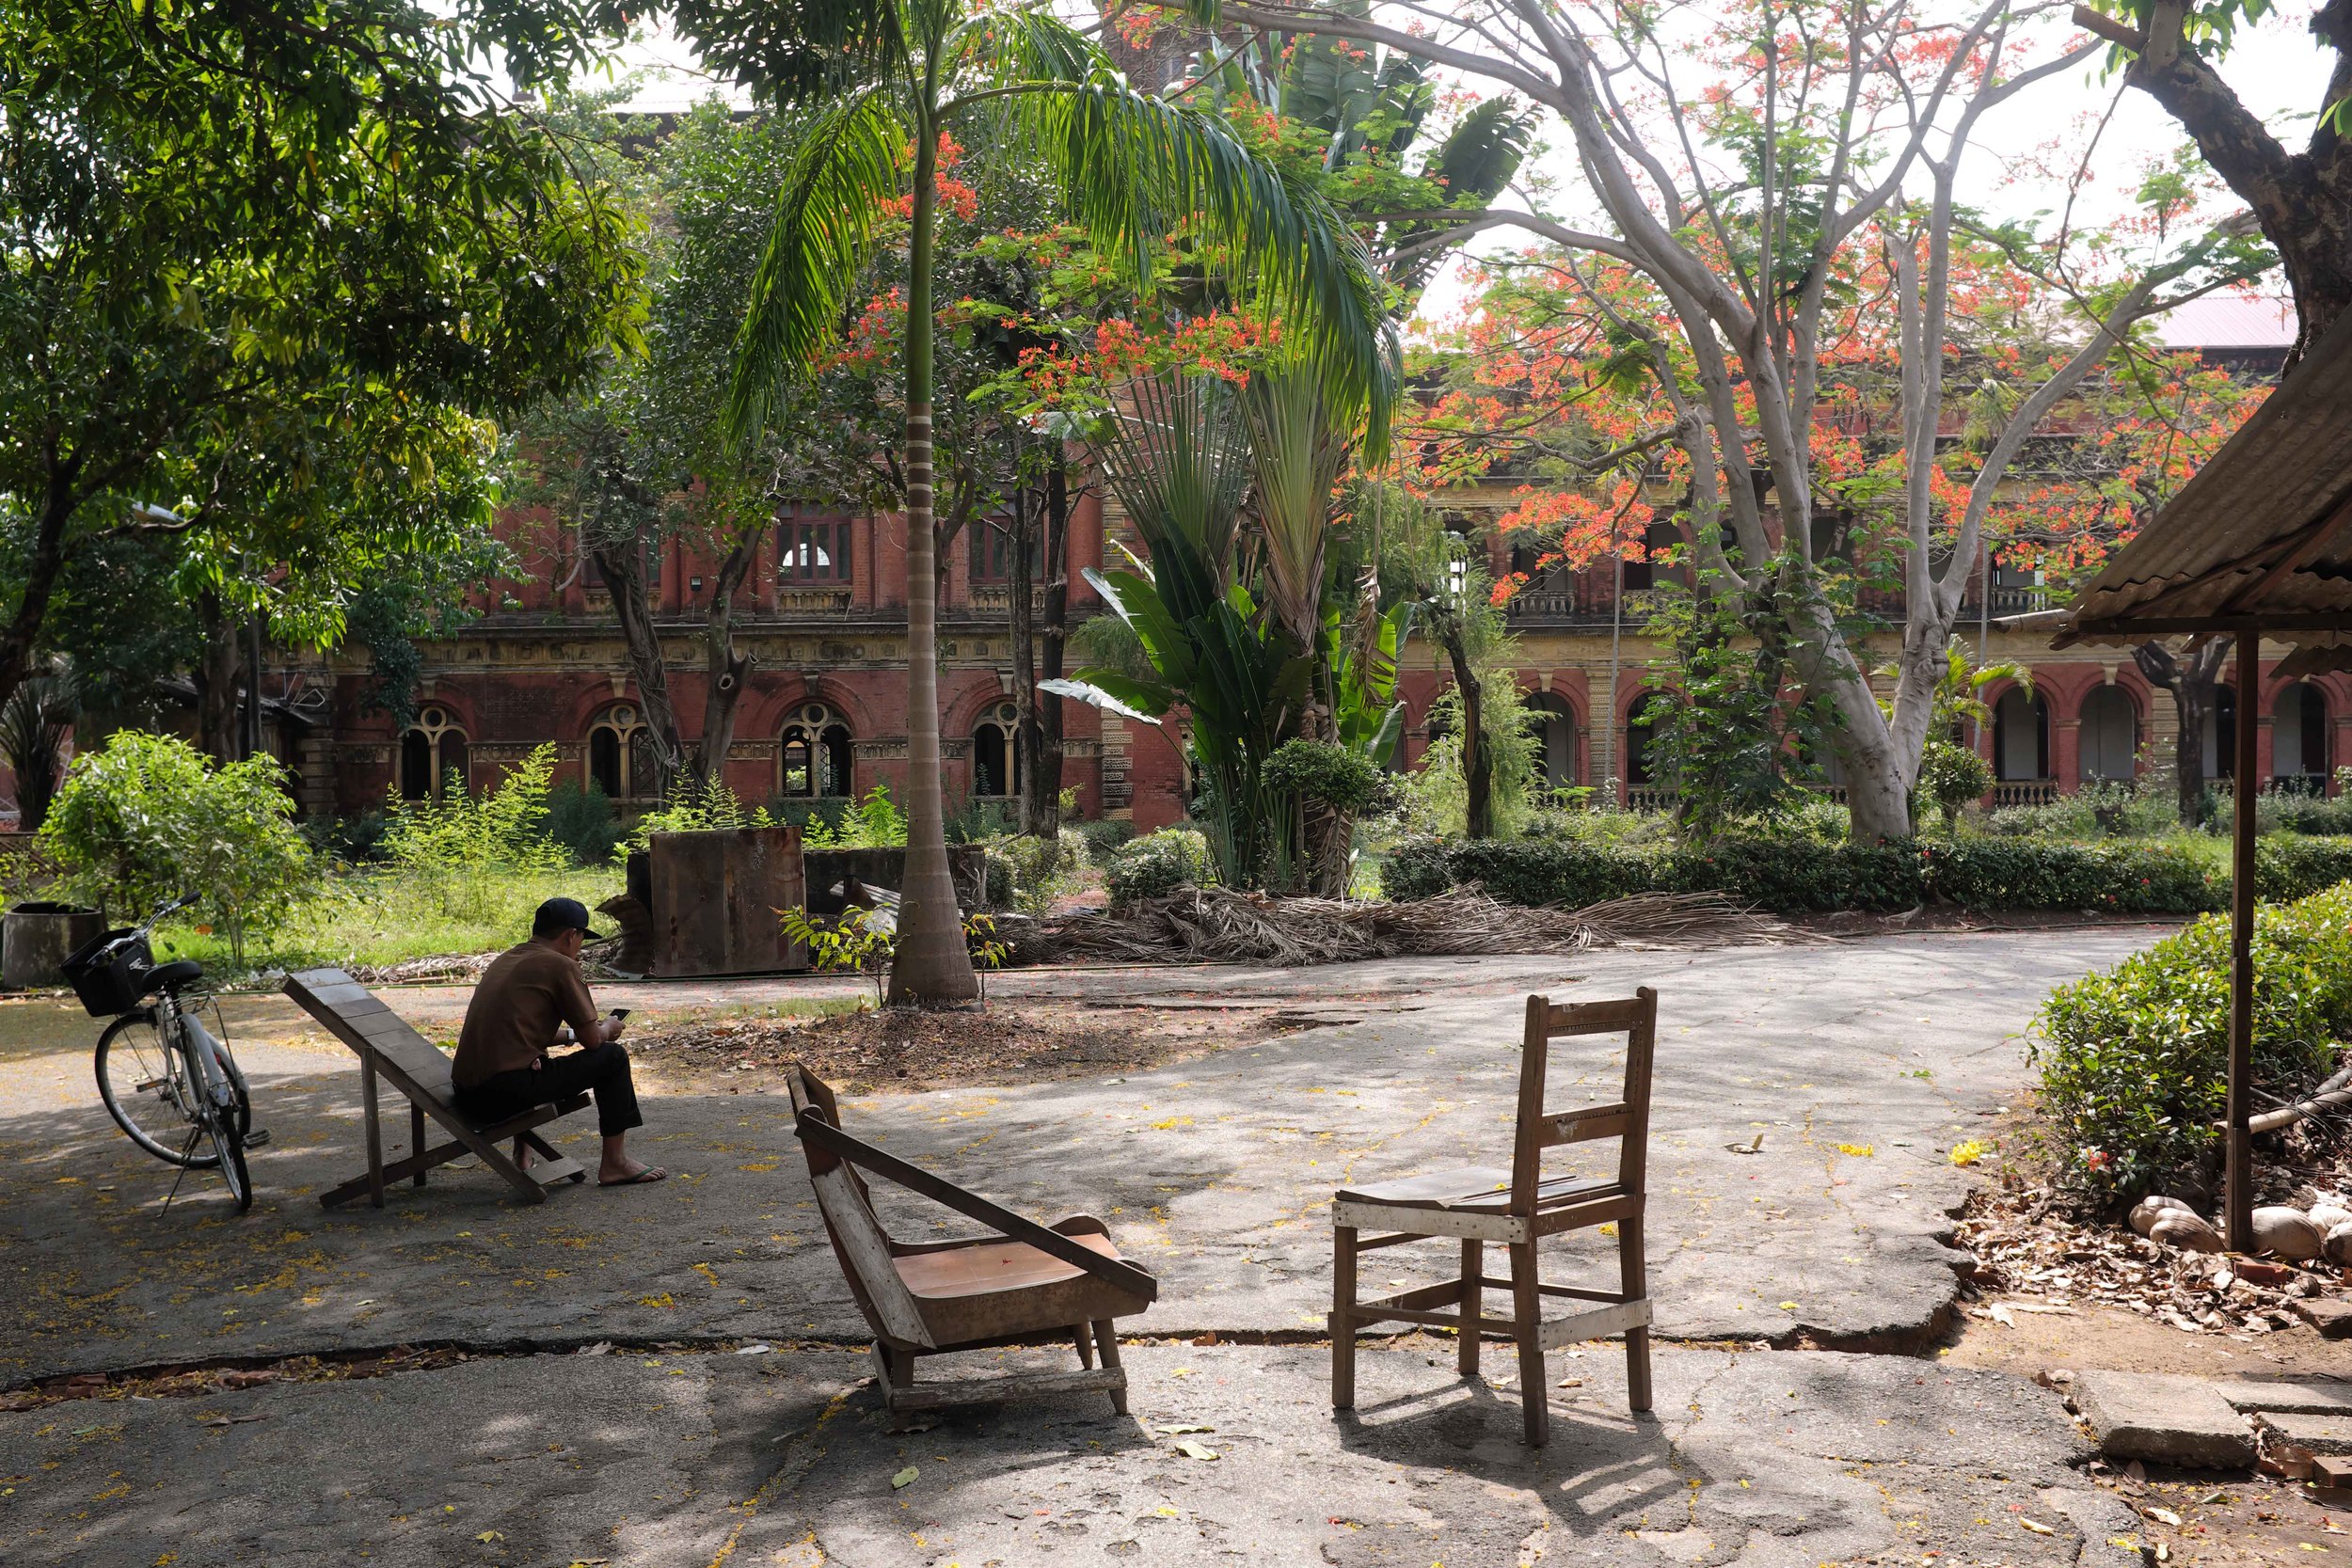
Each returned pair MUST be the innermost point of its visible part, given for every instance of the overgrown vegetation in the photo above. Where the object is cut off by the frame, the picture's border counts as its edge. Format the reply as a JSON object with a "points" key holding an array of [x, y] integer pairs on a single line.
{"points": [[2134, 1060]]}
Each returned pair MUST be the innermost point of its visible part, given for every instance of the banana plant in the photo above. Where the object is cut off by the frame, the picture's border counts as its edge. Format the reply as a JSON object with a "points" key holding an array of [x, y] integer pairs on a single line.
{"points": [[888, 80]]}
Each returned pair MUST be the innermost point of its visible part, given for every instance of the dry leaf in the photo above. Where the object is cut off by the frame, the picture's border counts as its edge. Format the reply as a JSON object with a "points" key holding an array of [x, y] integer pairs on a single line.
{"points": [[903, 1479], [1196, 1451], [2037, 1526]]}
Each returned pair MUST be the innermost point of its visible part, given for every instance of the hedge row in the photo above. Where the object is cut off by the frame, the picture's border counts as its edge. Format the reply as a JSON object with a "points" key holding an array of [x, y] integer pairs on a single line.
{"points": [[1795, 876]]}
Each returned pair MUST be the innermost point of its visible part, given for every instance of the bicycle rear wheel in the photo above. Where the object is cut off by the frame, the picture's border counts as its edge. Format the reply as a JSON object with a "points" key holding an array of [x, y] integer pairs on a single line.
{"points": [[145, 1090], [220, 1128]]}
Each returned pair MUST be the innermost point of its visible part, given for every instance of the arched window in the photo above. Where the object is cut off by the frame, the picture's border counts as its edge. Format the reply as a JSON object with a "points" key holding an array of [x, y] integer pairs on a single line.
{"points": [[1656, 539], [813, 759], [621, 757], [995, 752], [2298, 740], [2020, 736], [1551, 723], [431, 751], [2110, 736]]}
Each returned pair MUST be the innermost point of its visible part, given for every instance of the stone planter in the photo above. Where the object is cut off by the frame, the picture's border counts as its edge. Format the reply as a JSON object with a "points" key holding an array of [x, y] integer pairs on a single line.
{"points": [[35, 937]]}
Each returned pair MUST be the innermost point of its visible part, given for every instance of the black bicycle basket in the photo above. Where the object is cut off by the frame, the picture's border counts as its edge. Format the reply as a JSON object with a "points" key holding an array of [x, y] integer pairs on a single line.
{"points": [[109, 972]]}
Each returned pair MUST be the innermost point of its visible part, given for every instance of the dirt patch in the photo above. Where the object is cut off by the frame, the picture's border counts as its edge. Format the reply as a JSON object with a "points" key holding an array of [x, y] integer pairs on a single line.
{"points": [[1024, 1042], [2257, 1523]]}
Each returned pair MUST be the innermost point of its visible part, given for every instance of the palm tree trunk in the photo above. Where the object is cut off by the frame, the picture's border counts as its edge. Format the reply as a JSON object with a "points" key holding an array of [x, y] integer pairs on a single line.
{"points": [[931, 965]]}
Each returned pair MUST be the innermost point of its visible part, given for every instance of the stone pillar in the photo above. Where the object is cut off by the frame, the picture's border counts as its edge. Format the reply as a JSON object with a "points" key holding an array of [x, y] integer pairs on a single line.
{"points": [[2065, 759]]}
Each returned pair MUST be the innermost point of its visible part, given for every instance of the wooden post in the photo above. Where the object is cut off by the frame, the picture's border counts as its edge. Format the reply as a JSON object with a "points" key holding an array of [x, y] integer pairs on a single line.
{"points": [[2238, 1191]]}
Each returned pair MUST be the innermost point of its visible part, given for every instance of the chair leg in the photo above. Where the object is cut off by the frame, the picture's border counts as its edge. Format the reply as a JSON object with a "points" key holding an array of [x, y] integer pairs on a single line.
{"points": [[1632, 1279], [1527, 1310], [416, 1139], [368, 1098], [1344, 1318], [1086, 1346], [1106, 1342], [1473, 1265], [897, 1372]]}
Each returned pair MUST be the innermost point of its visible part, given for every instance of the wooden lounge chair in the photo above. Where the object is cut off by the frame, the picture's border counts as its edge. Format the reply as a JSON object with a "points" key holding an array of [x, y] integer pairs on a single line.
{"points": [[1024, 1283], [388, 1048], [1517, 1208]]}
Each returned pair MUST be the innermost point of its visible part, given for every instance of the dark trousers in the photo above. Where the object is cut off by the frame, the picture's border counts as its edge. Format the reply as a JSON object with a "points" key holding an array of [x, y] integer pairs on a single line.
{"points": [[601, 1070]]}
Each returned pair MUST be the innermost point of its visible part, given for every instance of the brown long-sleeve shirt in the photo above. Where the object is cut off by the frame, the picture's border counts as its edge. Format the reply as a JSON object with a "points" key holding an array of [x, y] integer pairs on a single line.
{"points": [[511, 1022]]}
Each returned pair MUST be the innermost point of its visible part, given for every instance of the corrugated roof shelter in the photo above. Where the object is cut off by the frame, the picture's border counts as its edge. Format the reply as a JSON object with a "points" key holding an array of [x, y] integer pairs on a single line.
{"points": [[2261, 539], [2259, 543]]}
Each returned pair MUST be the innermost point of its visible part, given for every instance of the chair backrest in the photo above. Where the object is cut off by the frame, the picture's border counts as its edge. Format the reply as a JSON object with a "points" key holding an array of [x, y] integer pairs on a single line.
{"points": [[1627, 1119], [859, 1241], [356, 1016]]}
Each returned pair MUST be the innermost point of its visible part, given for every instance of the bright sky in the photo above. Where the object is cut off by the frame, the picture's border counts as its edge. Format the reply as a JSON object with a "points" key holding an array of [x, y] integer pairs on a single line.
{"points": [[2276, 67]]}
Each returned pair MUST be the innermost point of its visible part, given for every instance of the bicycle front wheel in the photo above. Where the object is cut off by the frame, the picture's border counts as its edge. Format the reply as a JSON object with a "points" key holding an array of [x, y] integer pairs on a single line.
{"points": [[147, 1091]]}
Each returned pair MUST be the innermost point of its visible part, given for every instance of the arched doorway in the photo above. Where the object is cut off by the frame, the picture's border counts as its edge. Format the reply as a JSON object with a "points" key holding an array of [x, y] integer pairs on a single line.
{"points": [[1637, 740], [2110, 736], [2298, 740], [2021, 736], [1551, 724], [996, 753], [813, 754]]}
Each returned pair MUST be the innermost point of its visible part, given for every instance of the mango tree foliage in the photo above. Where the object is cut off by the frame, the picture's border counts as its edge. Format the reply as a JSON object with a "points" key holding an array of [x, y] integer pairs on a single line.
{"points": [[267, 267]]}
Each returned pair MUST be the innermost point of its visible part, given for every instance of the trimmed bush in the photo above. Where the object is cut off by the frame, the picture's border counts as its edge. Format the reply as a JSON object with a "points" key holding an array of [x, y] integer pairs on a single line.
{"points": [[2291, 866], [2123, 878], [2135, 1061], [1795, 876], [1156, 864]]}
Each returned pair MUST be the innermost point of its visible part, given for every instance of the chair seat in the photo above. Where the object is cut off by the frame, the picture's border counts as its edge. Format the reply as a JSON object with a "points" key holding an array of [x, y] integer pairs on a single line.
{"points": [[1474, 1189], [987, 1267]]}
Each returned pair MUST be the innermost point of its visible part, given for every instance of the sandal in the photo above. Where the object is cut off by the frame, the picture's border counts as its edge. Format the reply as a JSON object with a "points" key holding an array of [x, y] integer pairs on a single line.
{"points": [[650, 1173]]}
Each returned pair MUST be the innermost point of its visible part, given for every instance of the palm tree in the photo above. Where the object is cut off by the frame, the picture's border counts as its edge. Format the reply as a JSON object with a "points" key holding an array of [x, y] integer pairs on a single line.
{"points": [[889, 78]]}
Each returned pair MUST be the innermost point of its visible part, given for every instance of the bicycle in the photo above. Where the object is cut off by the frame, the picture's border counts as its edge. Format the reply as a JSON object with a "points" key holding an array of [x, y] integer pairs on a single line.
{"points": [[167, 1081]]}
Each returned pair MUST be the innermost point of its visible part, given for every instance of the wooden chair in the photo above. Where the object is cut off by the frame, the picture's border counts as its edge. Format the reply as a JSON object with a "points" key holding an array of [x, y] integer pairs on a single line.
{"points": [[388, 1048], [1517, 1208], [928, 1298]]}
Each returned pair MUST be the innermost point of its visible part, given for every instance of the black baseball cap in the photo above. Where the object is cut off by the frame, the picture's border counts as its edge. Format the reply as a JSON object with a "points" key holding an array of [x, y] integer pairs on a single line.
{"points": [[559, 915]]}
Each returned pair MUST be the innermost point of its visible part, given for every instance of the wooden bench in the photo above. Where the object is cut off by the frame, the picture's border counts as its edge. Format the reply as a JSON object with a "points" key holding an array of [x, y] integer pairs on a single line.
{"points": [[929, 1298], [1517, 1207], [388, 1048]]}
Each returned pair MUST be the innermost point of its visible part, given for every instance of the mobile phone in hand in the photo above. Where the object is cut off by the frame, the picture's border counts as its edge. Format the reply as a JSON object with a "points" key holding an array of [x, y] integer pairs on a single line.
{"points": [[618, 1012]]}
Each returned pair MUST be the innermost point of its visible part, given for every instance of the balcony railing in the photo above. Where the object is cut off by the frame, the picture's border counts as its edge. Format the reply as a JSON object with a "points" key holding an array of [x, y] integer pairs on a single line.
{"points": [[996, 599], [1649, 797], [2025, 792], [1538, 606], [793, 600]]}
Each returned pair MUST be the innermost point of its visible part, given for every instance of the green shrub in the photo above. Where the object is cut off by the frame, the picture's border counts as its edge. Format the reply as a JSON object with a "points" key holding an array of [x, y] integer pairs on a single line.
{"points": [[1794, 875], [148, 818], [2291, 866], [1042, 870], [1157, 864], [1342, 780], [582, 820], [1952, 776], [1106, 835], [2310, 814], [502, 830], [2095, 811], [2036, 874], [875, 822], [2135, 1061], [1530, 871]]}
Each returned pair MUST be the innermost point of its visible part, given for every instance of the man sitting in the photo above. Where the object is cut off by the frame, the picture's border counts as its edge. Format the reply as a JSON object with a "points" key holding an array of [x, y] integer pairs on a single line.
{"points": [[502, 1067]]}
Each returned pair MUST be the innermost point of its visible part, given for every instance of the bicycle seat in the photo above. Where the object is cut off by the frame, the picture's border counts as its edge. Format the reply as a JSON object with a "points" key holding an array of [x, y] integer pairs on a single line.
{"points": [[171, 976]]}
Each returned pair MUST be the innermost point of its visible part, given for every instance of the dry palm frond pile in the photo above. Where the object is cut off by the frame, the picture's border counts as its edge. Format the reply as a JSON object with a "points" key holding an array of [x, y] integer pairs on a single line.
{"points": [[1217, 924]]}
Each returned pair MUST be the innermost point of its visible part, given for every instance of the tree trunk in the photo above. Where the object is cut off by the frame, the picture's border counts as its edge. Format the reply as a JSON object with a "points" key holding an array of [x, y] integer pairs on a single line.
{"points": [[728, 667], [1039, 642], [221, 665], [2193, 680], [1478, 764], [623, 563], [931, 965], [44, 560]]}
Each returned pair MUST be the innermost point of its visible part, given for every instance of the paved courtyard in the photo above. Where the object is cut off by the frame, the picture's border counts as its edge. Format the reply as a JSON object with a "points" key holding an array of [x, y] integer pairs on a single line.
{"points": [[1857, 1063]]}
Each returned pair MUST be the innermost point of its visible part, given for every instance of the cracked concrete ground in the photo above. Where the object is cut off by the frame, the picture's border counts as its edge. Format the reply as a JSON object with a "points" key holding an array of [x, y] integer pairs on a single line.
{"points": [[1859, 1062], [1766, 1459]]}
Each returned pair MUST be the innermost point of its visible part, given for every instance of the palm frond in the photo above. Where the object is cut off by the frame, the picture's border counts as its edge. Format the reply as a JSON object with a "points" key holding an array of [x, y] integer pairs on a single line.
{"points": [[1132, 168], [1474, 165], [851, 161], [797, 51], [1177, 458], [1297, 453]]}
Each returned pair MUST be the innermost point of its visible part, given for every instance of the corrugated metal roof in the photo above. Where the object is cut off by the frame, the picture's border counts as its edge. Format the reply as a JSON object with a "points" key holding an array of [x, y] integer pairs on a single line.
{"points": [[2228, 321], [2278, 494]]}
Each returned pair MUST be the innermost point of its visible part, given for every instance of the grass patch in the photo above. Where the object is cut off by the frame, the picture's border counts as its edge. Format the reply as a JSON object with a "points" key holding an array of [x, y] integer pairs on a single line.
{"points": [[376, 915]]}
